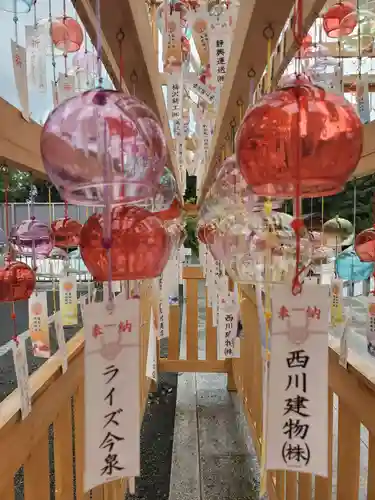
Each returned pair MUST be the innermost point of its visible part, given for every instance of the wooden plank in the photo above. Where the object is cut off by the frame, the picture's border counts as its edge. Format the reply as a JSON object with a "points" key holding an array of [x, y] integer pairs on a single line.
{"points": [[194, 366], [8, 493], [79, 438], [50, 392], [366, 165], [140, 65], [191, 319], [304, 486], [280, 484], [371, 468], [36, 471], [323, 485], [174, 332], [19, 141], [248, 52], [211, 333], [192, 273], [287, 47], [291, 485], [63, 452], [348, 460]]}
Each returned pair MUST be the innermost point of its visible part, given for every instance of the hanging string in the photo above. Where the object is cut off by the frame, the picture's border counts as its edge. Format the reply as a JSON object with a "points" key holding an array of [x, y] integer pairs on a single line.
{"points": [[15, 20], [9, 256], [35, 17], [65, 44], [53, 58], [99, 43], [269, 72]]}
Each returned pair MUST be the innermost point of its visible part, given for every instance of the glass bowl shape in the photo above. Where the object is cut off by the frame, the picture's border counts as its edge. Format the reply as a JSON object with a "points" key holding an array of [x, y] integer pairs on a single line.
{"points": [[350, 267], [140, 246], [337, 232], [32, 238], [271, 135], [17, 281], [103, 147], [164, 194], [364, 245], [361, 39]]}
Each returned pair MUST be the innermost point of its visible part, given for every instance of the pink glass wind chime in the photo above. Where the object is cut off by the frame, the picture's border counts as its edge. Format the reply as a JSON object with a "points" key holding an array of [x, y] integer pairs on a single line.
{"points": [[103, 148]]}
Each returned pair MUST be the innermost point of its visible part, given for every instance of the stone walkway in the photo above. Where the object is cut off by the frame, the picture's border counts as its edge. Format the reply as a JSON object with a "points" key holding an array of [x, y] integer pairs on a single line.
{"points": [[213, 457]]}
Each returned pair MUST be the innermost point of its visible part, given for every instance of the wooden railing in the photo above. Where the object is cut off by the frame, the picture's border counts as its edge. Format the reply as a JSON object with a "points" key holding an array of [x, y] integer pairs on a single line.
{"points": [[56, 419], [183, 356], [56, 423], [351, 402]]}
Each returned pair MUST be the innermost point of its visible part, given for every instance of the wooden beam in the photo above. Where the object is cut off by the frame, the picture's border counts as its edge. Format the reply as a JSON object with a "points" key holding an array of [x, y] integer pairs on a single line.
{"points": [[366, 165], [139, 70], [287, 47], [249, 52], [19, 141]]}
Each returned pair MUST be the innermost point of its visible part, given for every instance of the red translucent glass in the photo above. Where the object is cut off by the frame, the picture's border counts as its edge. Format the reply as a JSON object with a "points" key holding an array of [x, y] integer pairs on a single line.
{"points": [[140, 245], [318, 141], [206, 233], [67, 34], [17, 281], [66, 232], [173, 212], [332, 20], [32, 237], [364, 245], [103, 147]]}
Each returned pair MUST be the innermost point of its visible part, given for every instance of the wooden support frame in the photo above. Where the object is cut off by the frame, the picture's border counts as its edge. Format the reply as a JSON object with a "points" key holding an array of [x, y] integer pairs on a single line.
{"points": [[19, 140], [129, 19], [249, 53]]}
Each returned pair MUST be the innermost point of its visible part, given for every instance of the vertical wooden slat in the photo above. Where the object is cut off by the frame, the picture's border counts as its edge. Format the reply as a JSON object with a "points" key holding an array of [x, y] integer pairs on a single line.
{"points": [[97, 493], [79, 439], [291, 486], [371, 468], [211, 335], [36, 471], [323, 485], [174, 332], [280, 484], [348, 461], [63, 451], [8, 493], [304, 486], [192, 319]]}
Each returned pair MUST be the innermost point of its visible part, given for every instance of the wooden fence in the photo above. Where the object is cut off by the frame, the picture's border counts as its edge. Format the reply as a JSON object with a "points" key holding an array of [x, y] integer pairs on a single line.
{"points": [[56, 422], [57, 413], [351, 399]]}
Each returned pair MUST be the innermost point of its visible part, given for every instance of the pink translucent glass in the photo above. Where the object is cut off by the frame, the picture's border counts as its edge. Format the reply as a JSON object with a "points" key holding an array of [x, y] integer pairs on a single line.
{"points": [[67, 34], [321, 144], [140, 245], [3, 239], [58, 254], [66, 232], [164, 195], [32, 238], [85, 61], [332, 20], [364, 245], [103, 147], [17, 281]]}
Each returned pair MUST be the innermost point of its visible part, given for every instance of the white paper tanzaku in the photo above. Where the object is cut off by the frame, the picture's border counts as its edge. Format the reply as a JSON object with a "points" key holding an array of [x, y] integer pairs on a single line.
{"points": [[112, 406], [297, 415]]}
